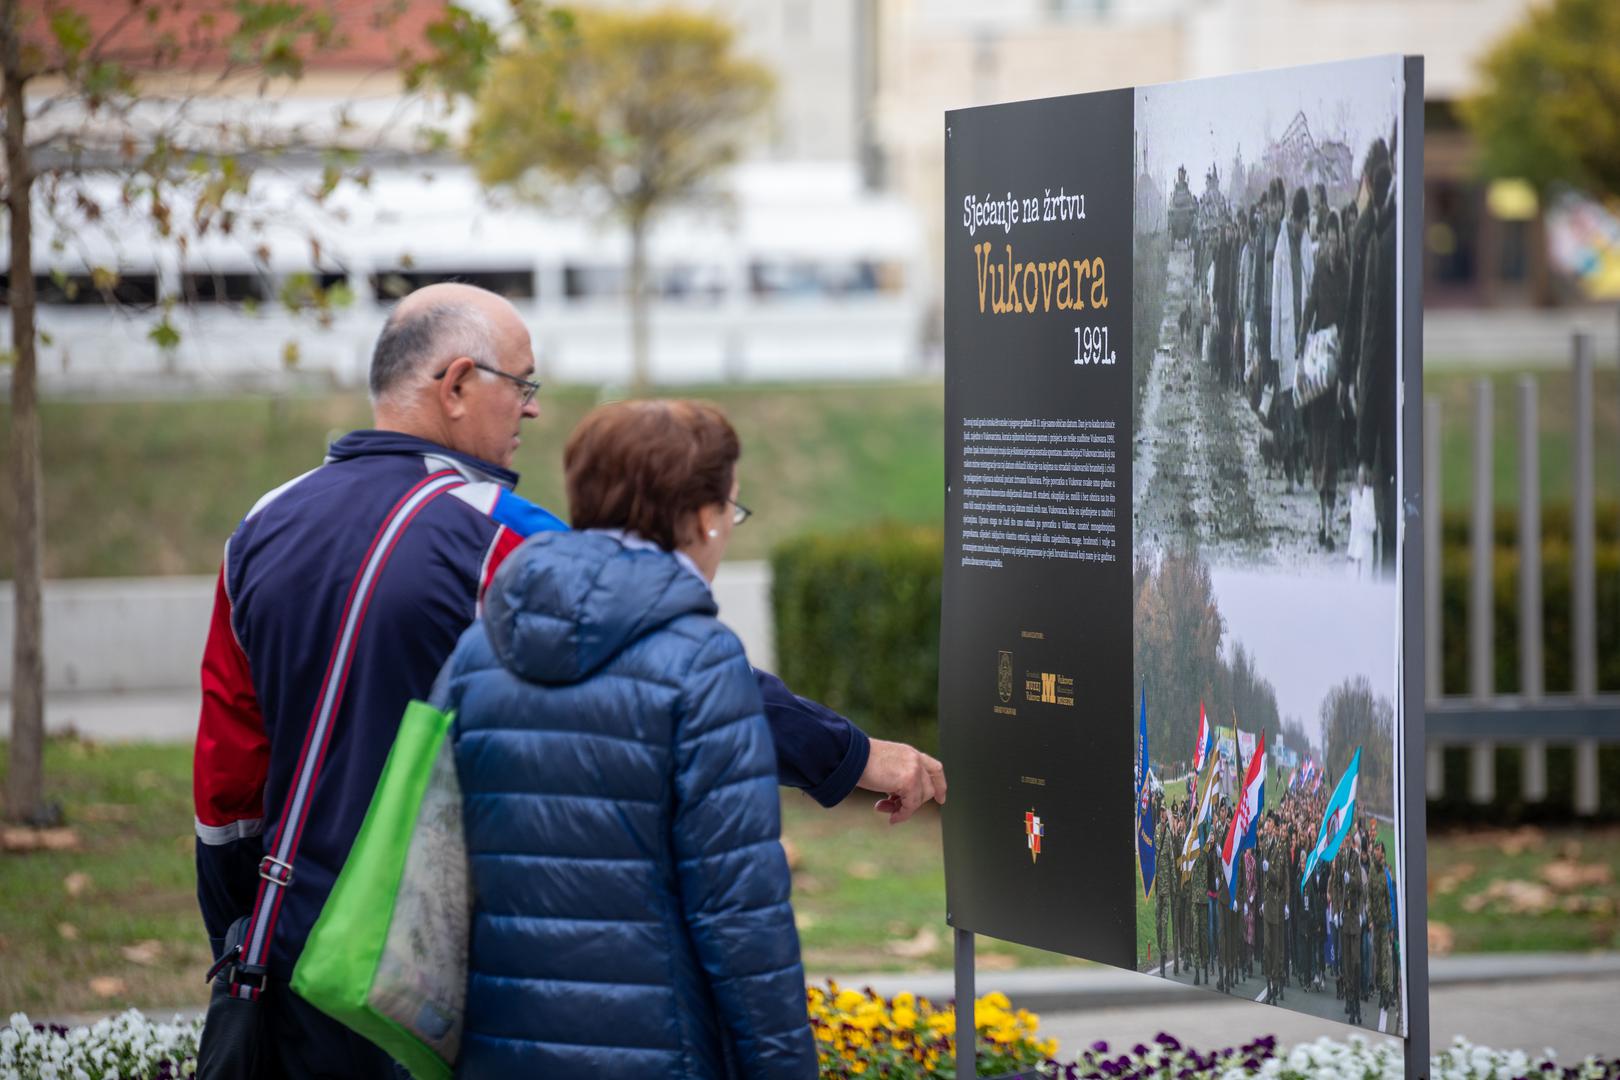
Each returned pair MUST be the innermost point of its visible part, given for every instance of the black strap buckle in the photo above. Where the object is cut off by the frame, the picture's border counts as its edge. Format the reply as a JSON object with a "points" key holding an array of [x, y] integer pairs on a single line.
{"points": [[226, 959]]}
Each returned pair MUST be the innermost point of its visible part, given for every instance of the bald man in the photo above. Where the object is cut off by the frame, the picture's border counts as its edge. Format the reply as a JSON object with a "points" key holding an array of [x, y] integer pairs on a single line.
{"points": [[340, 595]]}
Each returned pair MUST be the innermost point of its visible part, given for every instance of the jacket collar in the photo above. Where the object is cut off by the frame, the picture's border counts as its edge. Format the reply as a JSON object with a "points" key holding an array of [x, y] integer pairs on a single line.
{"points": [[369, 443]]}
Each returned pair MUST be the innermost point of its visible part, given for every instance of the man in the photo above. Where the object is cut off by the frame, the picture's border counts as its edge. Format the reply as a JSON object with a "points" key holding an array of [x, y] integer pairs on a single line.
{"points": [[1162, 877], [340, 596], [1201, 878], [1383, 928], [1355, 919], [1275, 869]]}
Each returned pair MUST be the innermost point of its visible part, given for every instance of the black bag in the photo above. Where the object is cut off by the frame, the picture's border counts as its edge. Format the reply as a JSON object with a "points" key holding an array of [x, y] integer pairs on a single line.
{"points": [[235, 1045]]}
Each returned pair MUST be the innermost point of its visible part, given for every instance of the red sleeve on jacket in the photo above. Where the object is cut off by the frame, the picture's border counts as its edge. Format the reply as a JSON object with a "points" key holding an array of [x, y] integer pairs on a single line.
{"points": [[505, 542], [233, 752]]}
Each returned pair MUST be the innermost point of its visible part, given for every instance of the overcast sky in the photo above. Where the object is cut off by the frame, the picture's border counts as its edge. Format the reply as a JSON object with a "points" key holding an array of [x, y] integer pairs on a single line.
{"points": [[1309, 632], [1195, 123]]}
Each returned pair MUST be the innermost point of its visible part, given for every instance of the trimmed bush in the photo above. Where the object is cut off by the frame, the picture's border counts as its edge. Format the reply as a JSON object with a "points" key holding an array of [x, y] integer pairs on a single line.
{"points": [[857, 626]]}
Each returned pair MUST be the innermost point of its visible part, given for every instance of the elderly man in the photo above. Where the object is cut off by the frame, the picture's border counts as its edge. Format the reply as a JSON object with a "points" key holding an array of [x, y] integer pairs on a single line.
{"points": [[340, 595]]}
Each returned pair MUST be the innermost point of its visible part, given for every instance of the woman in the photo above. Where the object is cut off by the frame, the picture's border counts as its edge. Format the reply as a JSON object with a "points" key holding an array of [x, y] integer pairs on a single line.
{"points": [[631, 915]]}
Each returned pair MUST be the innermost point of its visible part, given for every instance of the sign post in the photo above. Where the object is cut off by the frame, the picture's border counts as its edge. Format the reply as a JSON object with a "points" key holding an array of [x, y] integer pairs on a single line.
{"points": [[1181, 670]]}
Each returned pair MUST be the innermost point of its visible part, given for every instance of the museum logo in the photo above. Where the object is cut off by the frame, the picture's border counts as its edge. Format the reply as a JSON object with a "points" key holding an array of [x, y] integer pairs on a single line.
{"points": [[1033, 831], [1048, 688], [1004, 678]]}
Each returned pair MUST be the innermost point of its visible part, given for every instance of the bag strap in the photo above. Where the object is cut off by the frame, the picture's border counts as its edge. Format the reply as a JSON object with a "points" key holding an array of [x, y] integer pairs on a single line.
{"points": [[247, 979]]}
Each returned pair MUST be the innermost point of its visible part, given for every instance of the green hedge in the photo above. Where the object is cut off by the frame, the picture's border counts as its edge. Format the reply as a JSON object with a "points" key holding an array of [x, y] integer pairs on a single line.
{"points": [[857, 626], [857, 621], [1556, 617]]}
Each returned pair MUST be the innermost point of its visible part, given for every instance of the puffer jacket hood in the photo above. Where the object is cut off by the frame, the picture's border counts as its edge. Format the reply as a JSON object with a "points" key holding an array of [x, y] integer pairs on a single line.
{"points": [[564, 604]]}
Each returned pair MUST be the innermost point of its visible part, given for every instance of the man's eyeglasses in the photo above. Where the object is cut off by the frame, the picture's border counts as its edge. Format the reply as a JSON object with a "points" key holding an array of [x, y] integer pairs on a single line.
{"points": [[739, 512], [530, 387]]}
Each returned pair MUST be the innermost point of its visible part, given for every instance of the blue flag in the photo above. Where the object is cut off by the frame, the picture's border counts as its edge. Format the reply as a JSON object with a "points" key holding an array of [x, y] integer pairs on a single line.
{"points": [[1144, 826], [1337, 818]]}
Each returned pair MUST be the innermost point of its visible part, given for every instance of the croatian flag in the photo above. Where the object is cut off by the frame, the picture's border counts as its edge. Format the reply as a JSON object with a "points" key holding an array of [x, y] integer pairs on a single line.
{"points": [[1206, 741], [1245, 826], [1337, 818]]}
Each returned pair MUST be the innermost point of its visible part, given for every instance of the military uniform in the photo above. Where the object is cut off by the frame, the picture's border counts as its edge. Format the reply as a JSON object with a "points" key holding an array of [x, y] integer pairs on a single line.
{"points": [[1274, 869], [1178, 893], [1200, 908], [1228, 916], [1355, 914], [1162, 878], [1379, 917]]}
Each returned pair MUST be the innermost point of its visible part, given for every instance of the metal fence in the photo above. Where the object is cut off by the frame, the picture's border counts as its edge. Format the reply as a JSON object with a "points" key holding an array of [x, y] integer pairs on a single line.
{"points": [[1482, 719]]}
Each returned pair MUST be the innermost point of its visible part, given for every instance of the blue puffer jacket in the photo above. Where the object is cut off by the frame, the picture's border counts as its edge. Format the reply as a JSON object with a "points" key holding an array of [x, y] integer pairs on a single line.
{"points": [[631, 915]]}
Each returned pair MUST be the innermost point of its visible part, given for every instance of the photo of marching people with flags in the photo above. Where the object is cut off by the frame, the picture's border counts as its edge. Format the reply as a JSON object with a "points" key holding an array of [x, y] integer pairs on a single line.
{"points": [[1267, 616], [1266, 849]]}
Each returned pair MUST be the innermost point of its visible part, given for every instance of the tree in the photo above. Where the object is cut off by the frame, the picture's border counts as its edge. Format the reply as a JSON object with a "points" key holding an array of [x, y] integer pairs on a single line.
{"points": [[113, 121], [653, 105], [1354, 717], [1549, 108]]}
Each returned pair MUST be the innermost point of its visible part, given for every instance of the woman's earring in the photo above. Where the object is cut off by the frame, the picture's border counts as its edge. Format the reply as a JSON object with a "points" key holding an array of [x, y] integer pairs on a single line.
{"points": [[714, 534]]}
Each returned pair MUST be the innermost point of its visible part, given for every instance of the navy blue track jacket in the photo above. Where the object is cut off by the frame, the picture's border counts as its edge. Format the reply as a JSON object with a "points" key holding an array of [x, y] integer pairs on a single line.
{"points": [[288, 572]]}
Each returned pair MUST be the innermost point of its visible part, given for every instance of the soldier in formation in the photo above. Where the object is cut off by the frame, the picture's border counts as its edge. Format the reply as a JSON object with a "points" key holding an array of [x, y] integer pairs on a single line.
{"points": [[1274, 871], [1383, 928], [1162, 878], [1354, 878]]}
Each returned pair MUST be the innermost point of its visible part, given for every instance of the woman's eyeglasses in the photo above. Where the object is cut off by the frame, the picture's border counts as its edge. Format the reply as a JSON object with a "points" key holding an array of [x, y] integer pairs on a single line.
{"points": [[739, 512]]}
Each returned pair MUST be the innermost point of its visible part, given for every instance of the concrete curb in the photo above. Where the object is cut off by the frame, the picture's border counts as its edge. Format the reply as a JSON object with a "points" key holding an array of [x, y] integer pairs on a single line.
{"points": [[1081, 988], [1069, 989]]}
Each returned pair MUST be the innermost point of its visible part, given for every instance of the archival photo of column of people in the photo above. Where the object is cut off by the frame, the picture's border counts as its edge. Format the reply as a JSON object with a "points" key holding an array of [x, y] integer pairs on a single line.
{"points": [[1267, 615]]}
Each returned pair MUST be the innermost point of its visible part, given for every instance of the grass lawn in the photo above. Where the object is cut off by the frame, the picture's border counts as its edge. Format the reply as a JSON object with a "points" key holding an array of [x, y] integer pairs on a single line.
{"points": [[155, 487], [114, 922]]}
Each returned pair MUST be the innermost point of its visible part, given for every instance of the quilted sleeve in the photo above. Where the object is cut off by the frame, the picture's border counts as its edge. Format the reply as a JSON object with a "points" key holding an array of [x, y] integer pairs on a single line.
{"points": [[733, 875]]}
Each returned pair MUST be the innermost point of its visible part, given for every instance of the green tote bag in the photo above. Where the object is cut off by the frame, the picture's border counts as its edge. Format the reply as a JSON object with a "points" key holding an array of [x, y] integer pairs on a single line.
{"points": [[388, 955]]}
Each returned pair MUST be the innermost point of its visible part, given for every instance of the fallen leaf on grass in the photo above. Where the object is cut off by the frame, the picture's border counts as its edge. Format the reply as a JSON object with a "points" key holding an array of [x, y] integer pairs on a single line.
{"points": [[145, 953], [23, 838], [926, 941], [1567, 875], [1442, 939], [1447, 882], [107, 986], [862, 869], [67, 931], [1514, 897], [1520, 840], [803, 920], [76, 882], [791, 850], [1587, 905]]}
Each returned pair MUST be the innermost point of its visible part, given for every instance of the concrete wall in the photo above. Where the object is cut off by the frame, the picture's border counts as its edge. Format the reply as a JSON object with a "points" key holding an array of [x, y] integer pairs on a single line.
{"points": [[145, 635]]}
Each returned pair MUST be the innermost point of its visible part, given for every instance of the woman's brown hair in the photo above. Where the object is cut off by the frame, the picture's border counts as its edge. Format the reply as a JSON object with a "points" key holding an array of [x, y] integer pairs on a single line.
{"points": [[647, 465]]}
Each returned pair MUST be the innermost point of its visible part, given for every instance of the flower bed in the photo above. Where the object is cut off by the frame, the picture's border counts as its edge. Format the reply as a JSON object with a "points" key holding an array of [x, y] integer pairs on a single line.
{"points": [[859, 1033], [124, 1047]]}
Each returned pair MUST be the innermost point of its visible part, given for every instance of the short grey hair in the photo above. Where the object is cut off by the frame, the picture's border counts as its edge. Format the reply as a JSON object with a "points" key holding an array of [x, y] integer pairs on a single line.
{"points": [[414, 338]]}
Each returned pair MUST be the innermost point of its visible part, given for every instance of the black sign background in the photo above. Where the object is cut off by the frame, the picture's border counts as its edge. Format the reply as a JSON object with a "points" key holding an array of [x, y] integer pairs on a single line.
{"points": [[1070, 765]]}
